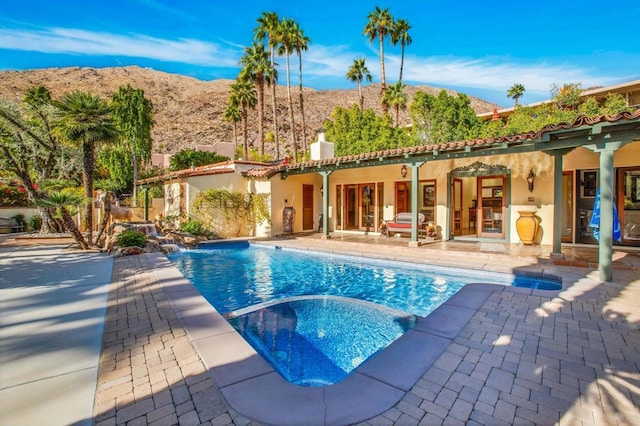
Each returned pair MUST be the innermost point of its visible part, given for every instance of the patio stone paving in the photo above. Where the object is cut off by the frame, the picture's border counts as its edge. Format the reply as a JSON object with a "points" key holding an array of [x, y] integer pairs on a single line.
{"points": [[525, 357]]}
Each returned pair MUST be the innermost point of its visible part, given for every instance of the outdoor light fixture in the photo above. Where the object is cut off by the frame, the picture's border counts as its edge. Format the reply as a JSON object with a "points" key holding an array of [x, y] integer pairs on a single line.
{"points": [[404, 171], [530, 179]]}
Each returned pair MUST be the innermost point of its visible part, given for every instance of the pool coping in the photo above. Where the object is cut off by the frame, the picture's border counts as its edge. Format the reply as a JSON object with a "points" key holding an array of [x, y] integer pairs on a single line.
{"points": [[256, 390]]}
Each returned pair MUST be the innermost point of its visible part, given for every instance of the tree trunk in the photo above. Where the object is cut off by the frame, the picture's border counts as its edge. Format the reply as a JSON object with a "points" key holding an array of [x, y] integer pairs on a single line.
{"points": [[361, 97], [304, 123], [260, 84], [245, 135], [235, 139], [135, 177], [401, 64], [292, 129], [105, 219], [87, 177], [383, 87], [273, 84], [70, 225]]}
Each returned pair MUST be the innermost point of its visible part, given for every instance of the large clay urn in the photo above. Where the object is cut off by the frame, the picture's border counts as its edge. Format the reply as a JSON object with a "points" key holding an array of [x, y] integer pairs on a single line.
{"points": [[528, 227]]}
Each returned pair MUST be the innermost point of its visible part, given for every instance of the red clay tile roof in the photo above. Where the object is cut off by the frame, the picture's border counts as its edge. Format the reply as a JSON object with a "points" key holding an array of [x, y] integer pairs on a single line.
{"points": [[474, 144]]}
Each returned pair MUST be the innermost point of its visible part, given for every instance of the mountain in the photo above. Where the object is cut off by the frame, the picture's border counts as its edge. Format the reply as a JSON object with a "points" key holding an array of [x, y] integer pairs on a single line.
{"points": [[190, 112]]}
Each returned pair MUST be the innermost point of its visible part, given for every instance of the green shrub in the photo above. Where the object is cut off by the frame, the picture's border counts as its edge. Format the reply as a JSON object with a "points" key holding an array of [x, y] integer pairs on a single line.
{"points": [[35, 222], [193, 227], [130, 238]]}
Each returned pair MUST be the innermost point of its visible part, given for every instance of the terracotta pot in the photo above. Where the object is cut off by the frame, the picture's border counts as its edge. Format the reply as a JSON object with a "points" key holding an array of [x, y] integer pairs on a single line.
{"points": [[528, 227]]}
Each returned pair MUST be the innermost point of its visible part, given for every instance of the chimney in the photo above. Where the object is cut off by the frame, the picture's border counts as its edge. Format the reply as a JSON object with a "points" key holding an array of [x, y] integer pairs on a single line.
{"points": [[321, 149]]}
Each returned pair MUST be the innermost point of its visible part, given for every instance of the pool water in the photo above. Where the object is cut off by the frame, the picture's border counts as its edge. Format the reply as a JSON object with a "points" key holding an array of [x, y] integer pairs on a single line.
{"points": [[236, 275], [305, 339], [315, 316]]}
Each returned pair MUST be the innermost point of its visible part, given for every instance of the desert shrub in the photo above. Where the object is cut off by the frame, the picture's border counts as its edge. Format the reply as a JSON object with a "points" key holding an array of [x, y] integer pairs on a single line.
{"points": [[193, 227], [130, 238]]}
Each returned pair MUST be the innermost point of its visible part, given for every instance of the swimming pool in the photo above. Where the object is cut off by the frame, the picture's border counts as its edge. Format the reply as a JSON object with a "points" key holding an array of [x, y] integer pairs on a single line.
{"points": [[308, 313], [235, 275]]}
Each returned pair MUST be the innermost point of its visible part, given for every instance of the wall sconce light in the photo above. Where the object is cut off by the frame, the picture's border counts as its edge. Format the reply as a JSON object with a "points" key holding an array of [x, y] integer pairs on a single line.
{"points": [[404, 171], [321, 190], [530, 179]]}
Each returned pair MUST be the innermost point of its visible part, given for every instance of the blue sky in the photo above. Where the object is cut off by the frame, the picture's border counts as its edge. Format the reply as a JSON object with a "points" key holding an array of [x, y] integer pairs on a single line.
{"points": [[479, 48]]}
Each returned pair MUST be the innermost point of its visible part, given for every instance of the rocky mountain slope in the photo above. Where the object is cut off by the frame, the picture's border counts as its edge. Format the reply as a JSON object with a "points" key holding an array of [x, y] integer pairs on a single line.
{"points": [[189, 112]]}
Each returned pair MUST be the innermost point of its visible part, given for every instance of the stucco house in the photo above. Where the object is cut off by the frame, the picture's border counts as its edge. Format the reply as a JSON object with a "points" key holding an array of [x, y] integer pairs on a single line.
{"points": [[473, 189]]}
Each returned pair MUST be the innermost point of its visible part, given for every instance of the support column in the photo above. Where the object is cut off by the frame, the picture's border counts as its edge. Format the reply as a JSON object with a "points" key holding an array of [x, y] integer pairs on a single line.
{"points": [[558, 157], [145, 192], [325, 205], [605, 246], [557, 204]]}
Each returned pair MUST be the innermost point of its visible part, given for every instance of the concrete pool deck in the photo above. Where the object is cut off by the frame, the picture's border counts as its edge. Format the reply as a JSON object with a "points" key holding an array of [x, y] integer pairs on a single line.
{"points": [[523, 357]]}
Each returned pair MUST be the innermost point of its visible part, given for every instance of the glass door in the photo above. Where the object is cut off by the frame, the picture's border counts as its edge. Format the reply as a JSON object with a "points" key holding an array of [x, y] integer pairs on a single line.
{"points": [[367, 206], [567, 207], [456, 206], [629, 205], [351, 206], [491, 212]]}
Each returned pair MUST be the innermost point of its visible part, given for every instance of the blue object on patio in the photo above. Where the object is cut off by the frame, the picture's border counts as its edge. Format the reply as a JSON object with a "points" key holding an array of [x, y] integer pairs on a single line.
{"points": [[595, 220]]}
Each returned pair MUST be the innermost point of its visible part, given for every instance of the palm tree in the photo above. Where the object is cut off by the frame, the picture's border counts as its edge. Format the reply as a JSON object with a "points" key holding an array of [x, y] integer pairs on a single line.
{"points": [[396, 98], [232, 114], [400, 34], [300, 44], [267, 29], [515, 92], [286, 41], [85, 119], [356, 74], [62, 200], [257, 69], [243, 95], [379, 26]]}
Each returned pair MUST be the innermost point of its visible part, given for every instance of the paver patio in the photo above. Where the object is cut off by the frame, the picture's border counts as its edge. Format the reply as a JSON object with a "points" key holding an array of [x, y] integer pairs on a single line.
{"points": [[525, 357]]}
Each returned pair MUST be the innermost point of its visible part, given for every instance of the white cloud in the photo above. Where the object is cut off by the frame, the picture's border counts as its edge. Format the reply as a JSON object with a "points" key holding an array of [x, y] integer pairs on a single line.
{"points": [[496, 74], [493, 74], [81, 42]]}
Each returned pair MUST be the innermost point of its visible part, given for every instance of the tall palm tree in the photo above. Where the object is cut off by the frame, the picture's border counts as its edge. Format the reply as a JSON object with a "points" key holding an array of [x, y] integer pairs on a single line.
{"points": [[400, 34], [257, 69], [300, 44], [232, 114], [379, 26], [243, 95], [396, 98], [85, 119], [286, 41], [266, 30], [515, 92], [356, 74]]}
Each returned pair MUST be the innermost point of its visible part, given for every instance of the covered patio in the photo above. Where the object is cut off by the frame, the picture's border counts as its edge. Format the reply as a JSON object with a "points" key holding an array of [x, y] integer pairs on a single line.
{"points": [[603, 135]]}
